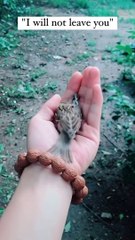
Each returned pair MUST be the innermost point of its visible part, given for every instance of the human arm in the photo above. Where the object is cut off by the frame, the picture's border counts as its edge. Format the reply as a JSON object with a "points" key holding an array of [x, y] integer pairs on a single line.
{"points": [[39, 207]]}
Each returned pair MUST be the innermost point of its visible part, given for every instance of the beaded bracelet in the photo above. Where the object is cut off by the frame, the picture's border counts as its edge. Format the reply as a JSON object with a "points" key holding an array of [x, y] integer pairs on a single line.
{"points": [[59, 166]]}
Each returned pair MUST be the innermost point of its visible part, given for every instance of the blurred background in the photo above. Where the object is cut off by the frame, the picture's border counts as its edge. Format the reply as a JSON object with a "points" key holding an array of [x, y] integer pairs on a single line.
{"points": [[36, 64]]}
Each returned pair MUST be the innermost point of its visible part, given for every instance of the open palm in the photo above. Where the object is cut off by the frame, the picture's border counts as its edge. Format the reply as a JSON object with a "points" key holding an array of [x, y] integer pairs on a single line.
{"points": [[42, 134]]}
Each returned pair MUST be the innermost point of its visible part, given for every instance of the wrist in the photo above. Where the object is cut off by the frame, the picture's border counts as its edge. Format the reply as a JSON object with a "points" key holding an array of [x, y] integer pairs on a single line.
{"points": [[37, 176], [66, 171]]}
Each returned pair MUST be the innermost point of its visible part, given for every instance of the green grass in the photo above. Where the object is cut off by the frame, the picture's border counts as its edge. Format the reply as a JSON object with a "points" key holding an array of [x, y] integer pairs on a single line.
{"points": [[28, 33], [128, 76], [91, 43], [81, 4], [16, 8], [8, 181], [109, 49], [117, 4], [8, 42], [117, 35], [122, 101], [10, 130], [21, 90], [58, 3], [124, 54], [69, 3], [108, 8], [120, 4], [19, 111], [9, 13], [132, 34], [49, 87], [33, 11], [11, 95], [123, 107], [95, 8], [18, 62], [128, 20], [37, 73], [81, 57]]}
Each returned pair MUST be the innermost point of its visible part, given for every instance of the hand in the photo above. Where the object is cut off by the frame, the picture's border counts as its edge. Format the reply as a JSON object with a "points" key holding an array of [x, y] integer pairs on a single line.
{"points": [[42, 133]]}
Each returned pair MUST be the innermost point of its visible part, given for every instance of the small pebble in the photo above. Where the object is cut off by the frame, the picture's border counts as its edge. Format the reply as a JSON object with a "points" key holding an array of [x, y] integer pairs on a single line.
{"points": [[106, 215]]}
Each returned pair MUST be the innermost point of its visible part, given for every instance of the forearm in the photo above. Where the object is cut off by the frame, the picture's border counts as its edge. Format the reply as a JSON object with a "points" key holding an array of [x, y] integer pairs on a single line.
{"points": [[39, 207]]}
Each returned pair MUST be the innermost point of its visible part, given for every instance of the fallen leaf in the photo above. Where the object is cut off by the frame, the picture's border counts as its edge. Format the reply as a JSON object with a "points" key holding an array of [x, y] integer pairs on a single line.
{"points": [[106, 153], [67, 227]]}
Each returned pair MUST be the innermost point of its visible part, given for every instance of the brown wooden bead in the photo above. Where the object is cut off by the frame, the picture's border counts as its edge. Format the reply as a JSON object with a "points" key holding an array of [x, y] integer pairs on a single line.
{"points": [[76, 200], [22, 160], [45, 159], [69, 174], [58, 165], [21, 163], [82, 193], [32, 156], [18, 168], [78, 183]]}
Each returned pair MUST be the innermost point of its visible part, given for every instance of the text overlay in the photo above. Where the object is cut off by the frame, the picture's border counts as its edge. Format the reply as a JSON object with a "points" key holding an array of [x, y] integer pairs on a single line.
{"points": [[67, 23]]}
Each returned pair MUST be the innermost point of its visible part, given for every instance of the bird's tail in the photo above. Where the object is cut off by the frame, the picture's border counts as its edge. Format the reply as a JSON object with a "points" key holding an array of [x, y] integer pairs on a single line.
{"points": [[62, 148]]}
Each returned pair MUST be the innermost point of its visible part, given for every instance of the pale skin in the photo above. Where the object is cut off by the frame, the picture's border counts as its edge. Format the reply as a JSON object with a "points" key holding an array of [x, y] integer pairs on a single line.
{"points": [[39, 207]]}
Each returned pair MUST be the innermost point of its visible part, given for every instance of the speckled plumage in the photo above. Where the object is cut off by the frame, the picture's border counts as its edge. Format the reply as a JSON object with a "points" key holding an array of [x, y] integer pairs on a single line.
{"points": [[68, 118]]}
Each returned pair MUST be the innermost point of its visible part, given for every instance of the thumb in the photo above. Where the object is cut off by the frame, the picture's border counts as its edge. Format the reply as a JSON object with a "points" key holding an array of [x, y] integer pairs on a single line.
{"points": [[48, 108]]}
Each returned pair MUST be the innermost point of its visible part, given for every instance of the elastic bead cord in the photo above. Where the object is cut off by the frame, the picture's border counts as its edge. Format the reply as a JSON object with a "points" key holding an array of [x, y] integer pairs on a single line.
{"points": [[58, 166]]}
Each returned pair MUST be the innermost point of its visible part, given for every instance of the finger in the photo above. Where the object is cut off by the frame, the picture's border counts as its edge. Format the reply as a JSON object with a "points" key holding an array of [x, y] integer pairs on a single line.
{"points": [[94, 113], [91, 76], [93, 73], [49, 107], [73, 86]]}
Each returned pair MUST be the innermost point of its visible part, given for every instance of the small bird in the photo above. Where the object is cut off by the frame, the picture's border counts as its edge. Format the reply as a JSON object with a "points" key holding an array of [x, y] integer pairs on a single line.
{"points": [[68, 119]]}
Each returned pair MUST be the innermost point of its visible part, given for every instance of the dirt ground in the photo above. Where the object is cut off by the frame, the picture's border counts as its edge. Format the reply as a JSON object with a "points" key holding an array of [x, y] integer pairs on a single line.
{"points": [[57, 53]]}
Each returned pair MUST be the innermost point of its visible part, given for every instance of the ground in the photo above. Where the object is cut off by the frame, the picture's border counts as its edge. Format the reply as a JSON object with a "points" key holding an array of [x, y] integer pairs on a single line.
{"points": [[51, 57]]}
